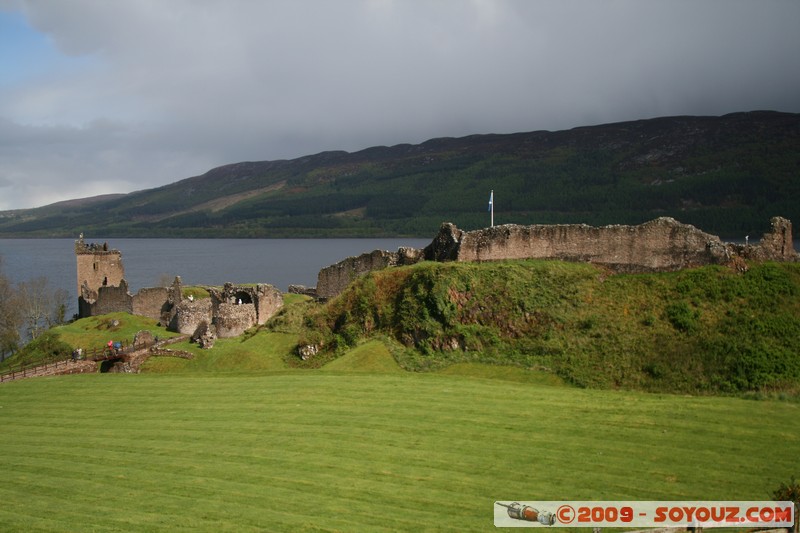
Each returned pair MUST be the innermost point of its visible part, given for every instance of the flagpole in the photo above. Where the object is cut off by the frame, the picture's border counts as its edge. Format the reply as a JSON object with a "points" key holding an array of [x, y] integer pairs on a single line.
{"points": [[491, 206]]}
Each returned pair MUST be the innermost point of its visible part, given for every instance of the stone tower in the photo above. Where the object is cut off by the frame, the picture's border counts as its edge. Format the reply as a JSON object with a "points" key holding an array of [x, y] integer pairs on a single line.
{"points": [[97, 267]]}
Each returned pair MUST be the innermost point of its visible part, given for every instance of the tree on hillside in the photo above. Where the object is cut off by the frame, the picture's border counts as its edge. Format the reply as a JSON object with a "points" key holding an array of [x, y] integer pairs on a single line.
{"points": [[10, 316], [41, 305]]}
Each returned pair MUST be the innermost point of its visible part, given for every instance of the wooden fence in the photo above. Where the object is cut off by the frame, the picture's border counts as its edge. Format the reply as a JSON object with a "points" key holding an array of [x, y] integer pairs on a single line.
{"points": [[33, 369], [105, 353]]}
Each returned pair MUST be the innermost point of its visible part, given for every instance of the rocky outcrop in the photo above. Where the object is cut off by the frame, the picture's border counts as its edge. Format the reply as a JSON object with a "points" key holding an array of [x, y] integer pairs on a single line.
{"points": [[307, 351]]}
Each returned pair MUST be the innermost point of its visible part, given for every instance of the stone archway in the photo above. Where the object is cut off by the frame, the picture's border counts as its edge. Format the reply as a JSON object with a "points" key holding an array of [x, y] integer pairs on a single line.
{"points": [[242, 297]]}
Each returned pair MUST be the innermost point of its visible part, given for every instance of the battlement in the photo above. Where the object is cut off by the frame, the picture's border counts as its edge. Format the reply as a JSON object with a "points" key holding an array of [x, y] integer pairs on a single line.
{"points": [[83, 247]]}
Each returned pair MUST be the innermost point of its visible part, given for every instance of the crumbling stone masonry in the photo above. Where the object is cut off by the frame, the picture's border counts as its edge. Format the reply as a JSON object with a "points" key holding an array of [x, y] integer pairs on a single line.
{"points": [[190, 315], [102, 287], [98, 266], [776, 245], [333, 279], [231, 310], [154, 302], [660, 245]]}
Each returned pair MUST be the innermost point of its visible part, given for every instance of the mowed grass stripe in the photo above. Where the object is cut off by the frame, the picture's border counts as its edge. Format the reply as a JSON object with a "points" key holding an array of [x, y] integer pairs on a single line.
{"points": [[353, 452]]}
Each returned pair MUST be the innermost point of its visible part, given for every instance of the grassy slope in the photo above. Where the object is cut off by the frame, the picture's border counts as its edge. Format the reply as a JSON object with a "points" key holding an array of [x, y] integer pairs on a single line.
{"points": [[87, 333], [237, 440], [96, 331], [702, 330], [313, 451]]}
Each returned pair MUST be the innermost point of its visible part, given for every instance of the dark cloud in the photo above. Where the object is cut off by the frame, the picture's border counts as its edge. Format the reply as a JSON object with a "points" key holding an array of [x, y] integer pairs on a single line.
{"points": [[151, 92]]}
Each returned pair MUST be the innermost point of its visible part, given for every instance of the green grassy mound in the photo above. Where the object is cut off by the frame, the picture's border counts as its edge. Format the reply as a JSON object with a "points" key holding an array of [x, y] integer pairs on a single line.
{"points": [[372, 356], [262, 352], [706, 330], [87, 333], [312, 451]]}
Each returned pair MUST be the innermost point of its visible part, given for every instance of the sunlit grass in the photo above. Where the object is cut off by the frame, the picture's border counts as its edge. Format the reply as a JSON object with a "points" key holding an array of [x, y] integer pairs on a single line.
{"points": [[258, 353], [372, 356], [96, 331], [313, 451]]}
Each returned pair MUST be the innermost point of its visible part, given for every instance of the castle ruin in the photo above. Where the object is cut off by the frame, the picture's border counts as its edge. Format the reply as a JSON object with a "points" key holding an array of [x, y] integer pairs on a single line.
{"points": [[660, 245], [98, 266], [229, 311]]}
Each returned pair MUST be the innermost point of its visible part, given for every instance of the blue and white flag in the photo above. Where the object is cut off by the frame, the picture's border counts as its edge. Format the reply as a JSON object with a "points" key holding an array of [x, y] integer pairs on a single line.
{"points": [[491, 200]]}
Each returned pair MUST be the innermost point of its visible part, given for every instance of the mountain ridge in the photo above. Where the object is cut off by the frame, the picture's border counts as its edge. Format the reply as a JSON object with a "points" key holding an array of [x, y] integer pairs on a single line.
{"points": [[725, 174]]}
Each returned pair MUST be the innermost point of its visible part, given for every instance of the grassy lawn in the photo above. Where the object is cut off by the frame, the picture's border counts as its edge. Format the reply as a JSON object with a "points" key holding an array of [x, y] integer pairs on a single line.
{"points": [[370, 451], [243, 355]]}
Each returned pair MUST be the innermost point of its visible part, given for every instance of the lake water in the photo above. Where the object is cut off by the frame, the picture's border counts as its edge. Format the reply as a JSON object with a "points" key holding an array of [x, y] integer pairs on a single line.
{"points": [[279, 262]]}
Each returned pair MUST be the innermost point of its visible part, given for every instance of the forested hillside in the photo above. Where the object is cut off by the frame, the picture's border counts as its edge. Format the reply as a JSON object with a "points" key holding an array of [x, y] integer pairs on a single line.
{"points": [[726, 175]]}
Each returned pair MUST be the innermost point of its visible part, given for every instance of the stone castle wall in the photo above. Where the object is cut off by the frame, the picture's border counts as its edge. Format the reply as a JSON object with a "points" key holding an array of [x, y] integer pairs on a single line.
{"points": [[333, 279], [155, 303], [775, 245], [102, 289], [108, 299], [269, 301], [232, 320], [225, 313], [190, 315], [152, 302], [663, 244]]}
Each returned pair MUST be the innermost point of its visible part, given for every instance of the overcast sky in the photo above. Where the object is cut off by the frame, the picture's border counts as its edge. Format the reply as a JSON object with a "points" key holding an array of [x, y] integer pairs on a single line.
{"points": [[101, 96]]}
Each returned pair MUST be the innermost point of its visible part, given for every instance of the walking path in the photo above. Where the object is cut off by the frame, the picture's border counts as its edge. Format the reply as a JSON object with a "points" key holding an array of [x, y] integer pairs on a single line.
{"points": [[131, 357]]}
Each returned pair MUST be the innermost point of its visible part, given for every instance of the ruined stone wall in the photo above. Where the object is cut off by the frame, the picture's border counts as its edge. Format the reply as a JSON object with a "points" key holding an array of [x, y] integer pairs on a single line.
{"points": [[663, 244], [775, 245], [112, 300], [151, 302], [231, 320], [268, 301], [189, 315], [231, 310], [332, 280]]}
